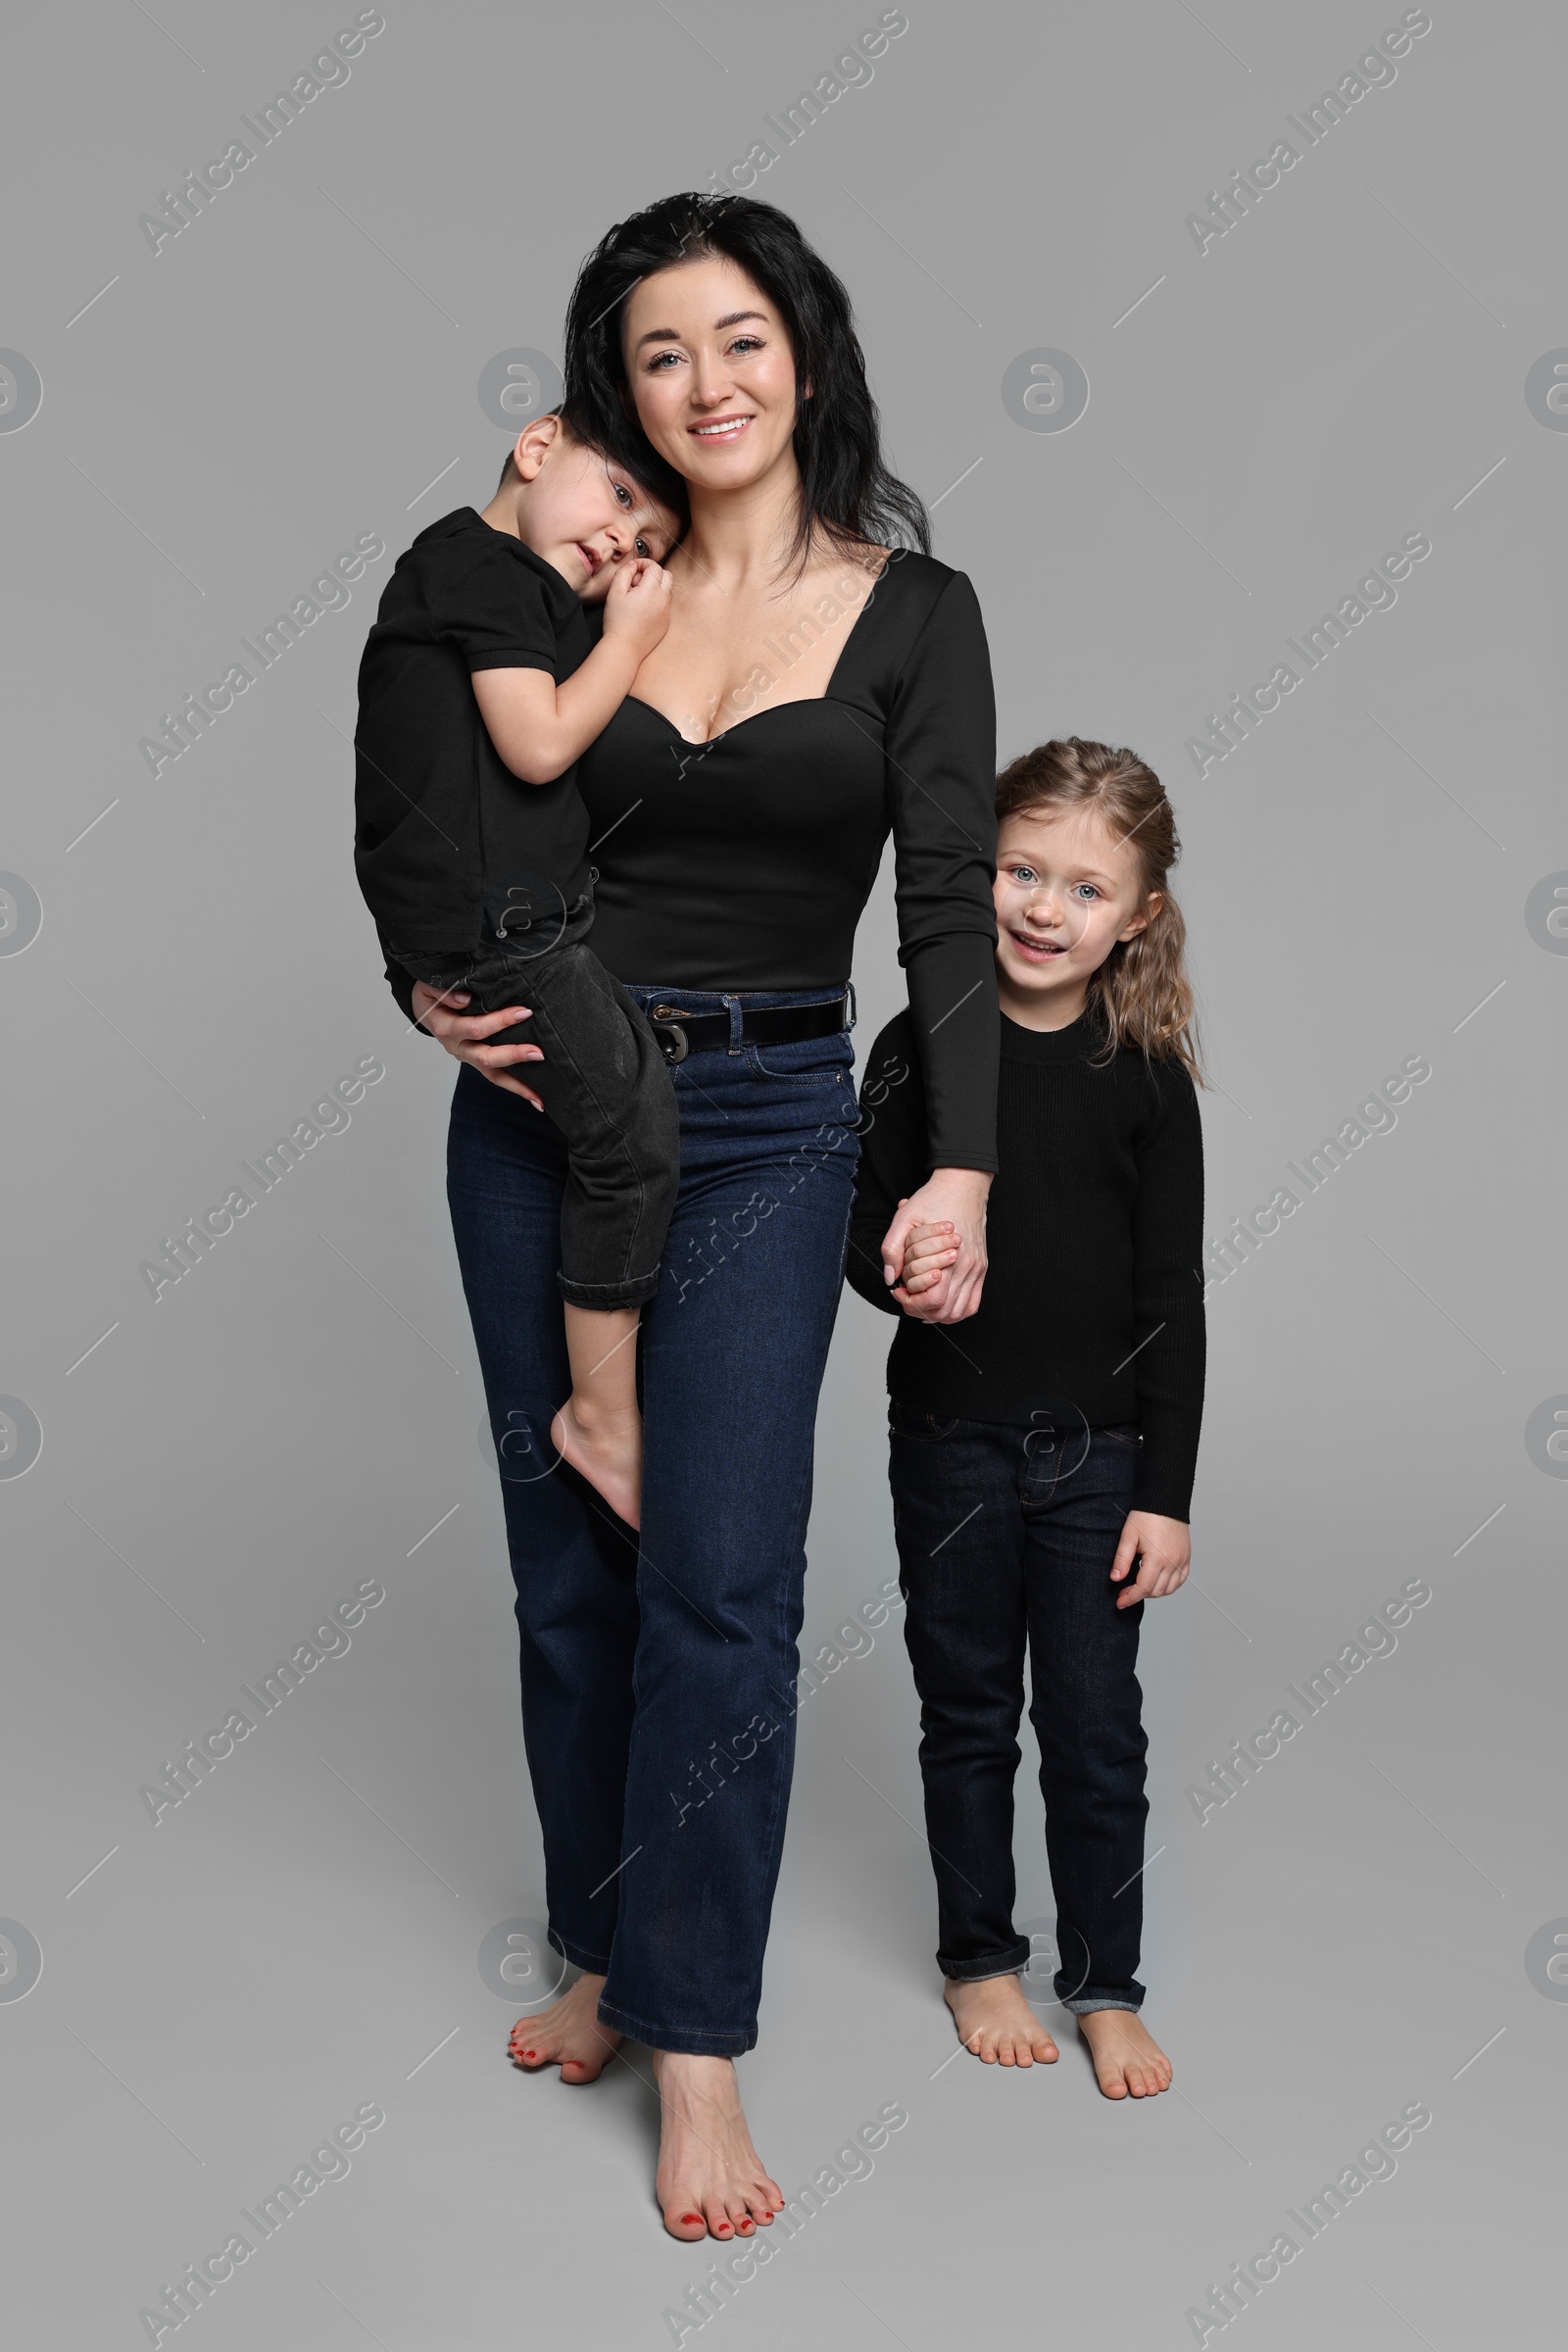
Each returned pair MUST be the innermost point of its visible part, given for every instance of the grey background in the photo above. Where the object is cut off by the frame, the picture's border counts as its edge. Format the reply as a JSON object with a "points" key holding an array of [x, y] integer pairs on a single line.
{"points": [[1350, 1932]]}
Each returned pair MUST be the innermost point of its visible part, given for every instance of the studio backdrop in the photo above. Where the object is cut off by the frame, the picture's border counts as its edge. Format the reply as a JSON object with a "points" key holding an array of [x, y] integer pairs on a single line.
{"points": [[1230, 352]]}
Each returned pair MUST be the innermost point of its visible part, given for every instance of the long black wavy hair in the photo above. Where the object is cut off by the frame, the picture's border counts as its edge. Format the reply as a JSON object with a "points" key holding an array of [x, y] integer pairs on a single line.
{"points": [[847, 491]]}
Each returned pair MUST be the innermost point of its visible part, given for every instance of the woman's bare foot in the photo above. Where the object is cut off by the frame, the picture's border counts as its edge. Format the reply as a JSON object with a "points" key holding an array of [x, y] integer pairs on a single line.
{"points": [[1128, 2061], [606, 1448], [709, 2178], [997, 2022], [566, 2034]]}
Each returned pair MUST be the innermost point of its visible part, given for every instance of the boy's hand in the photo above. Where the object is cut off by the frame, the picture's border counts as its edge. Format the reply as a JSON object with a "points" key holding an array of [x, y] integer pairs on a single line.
{"points": [[1163, 1550], [927, 1249], [637, 606]]}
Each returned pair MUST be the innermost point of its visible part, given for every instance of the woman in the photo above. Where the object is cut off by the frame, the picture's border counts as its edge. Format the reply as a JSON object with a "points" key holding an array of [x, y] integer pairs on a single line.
{"points": [[816, 687]]}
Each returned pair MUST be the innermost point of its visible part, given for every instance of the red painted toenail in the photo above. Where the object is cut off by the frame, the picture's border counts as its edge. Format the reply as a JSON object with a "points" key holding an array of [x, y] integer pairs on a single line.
{"points": [[690, 2216]]}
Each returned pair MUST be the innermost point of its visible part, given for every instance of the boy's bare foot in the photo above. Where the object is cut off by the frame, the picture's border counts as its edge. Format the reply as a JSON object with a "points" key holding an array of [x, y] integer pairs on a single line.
{"points": [[608, 1449], [997, 2022], [1128, 2061], [566, 2034], [710, 2178]]}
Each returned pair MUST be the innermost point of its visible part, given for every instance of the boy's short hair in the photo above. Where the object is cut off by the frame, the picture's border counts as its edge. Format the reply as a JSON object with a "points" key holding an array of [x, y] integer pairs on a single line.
{"points": [[630, 452]]}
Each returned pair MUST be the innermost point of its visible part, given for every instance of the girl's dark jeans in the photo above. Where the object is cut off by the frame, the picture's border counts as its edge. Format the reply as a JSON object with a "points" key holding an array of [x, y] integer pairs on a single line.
{"points": [[1006, 1539], [658, 1672]]}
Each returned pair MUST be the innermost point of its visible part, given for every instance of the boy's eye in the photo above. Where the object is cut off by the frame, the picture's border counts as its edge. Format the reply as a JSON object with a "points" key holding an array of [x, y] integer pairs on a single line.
{"points": [[640, 547], [622, 493]]}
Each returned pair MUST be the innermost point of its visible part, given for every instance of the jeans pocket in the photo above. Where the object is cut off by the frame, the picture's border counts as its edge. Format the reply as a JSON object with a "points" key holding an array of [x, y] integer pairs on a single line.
{"points": [[922, 1427]]}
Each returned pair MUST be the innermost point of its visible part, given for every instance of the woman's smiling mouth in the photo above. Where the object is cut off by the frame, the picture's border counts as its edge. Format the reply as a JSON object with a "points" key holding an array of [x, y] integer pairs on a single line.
{"points": [[720, 428]]}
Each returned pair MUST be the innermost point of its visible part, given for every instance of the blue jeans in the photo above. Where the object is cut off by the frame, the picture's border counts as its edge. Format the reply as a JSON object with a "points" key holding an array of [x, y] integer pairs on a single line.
{"points": [[658, 1671], [1006, 1540]]}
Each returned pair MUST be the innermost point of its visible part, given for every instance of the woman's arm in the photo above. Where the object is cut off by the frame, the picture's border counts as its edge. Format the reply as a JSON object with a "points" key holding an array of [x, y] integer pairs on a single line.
{"points": [[941, 764], [463, 1037]]}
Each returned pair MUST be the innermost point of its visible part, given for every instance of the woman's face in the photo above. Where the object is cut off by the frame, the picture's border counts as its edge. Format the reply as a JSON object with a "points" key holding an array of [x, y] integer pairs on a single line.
{"points": [[711, 374]]}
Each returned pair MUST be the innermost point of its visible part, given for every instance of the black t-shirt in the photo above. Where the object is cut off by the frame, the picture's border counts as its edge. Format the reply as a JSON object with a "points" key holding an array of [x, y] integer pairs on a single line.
{"points": [[443, 829], [1092, 1304]]}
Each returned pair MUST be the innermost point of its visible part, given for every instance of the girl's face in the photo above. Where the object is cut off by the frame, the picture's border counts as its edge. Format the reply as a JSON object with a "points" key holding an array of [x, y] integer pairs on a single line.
{"points": [[711, 374], [1068, 889]]}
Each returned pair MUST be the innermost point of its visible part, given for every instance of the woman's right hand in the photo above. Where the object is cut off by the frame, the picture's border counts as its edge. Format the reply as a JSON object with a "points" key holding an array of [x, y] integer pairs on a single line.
{"points": [[463, 1036]]}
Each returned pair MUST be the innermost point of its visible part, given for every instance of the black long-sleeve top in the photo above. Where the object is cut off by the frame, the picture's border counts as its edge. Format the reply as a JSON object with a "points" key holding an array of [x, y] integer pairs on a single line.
{"points": [[745, 862], [1093, 1298]]}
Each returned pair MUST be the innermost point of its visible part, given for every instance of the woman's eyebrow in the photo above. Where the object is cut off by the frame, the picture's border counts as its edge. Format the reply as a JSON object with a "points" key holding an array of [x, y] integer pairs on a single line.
{"points": [[671, 334]]}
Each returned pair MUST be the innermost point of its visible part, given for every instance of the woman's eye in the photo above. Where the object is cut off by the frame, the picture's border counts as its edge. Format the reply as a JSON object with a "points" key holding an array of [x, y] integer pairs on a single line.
{"points": [[662, 359], [745, 344]]}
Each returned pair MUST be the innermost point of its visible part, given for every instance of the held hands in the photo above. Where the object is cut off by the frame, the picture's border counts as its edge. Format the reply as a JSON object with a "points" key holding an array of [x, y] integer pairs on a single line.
{"points": [[637, 606], [938, 1277], [463, 1038], [1164, 1552]]}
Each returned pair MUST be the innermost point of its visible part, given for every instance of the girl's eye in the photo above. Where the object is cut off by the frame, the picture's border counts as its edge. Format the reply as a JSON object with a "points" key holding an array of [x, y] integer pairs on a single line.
{"points": [[1087, 889], [1023, 873]]}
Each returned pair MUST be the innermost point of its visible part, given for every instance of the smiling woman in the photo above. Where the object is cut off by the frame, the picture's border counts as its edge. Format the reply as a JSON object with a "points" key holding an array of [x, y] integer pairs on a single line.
{"points": [[822, 682]]}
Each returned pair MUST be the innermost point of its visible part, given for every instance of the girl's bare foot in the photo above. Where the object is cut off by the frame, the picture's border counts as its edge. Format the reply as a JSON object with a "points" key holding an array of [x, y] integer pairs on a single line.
{"points": [[710, 2178], [997, 2022], [606, 1448], [1128, 2061], [566, 2034]]}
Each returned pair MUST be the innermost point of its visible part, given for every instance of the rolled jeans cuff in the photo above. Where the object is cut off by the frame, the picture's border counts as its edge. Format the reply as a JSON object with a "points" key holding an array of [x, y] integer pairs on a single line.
{"points": [[638, 1290], [1084, 2004], [693, 2043], [1006, 1963]]}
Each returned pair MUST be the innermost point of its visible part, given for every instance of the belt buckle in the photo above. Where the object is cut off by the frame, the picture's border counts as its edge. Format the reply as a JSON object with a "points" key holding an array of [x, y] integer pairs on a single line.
{"points": [[678, 1045]]}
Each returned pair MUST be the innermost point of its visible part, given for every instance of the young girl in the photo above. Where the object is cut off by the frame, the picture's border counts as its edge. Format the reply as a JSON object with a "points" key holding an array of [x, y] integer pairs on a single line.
{"points": [[1042, 1452]]}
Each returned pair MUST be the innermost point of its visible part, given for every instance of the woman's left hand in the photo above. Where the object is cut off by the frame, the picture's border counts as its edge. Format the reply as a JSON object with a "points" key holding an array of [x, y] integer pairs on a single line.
{"points": [[949, 1196], [1163, 1550]]}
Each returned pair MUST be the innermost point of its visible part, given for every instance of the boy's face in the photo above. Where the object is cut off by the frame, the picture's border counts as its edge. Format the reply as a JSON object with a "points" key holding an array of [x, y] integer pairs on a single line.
{"points": [[1066, 890], [583, 513]]}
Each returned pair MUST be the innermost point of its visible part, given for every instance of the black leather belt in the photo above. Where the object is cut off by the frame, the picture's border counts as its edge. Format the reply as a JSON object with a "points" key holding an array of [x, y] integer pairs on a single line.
{"points": [[682, 1032]]}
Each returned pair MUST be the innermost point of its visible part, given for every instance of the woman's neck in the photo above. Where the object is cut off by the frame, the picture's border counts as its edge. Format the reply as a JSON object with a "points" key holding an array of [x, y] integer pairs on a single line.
{"points": [[739, 538]]}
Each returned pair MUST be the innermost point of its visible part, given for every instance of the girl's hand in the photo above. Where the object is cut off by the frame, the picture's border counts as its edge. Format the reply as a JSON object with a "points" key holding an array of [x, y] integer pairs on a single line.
{"points": [[461, 1036], [949, 1196], [1163, 1550], [927, 1250]]}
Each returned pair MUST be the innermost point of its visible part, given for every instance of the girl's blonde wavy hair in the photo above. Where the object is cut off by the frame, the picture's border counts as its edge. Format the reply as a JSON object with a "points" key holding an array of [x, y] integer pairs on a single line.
{"points": [[1140, 992]]}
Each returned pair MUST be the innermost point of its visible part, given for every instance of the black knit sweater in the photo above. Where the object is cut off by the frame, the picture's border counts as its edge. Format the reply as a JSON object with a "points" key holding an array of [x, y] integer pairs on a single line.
{"points": [[1094, 1297]]}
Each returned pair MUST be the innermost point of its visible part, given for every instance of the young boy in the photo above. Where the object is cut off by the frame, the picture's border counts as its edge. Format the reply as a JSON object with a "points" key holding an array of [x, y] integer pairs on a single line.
{"points": [[1044, 1446], [480, 688]]}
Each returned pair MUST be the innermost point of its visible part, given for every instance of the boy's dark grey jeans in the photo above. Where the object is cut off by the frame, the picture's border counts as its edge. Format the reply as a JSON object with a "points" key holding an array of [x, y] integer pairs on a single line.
{"points": [[604, 1083]]}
